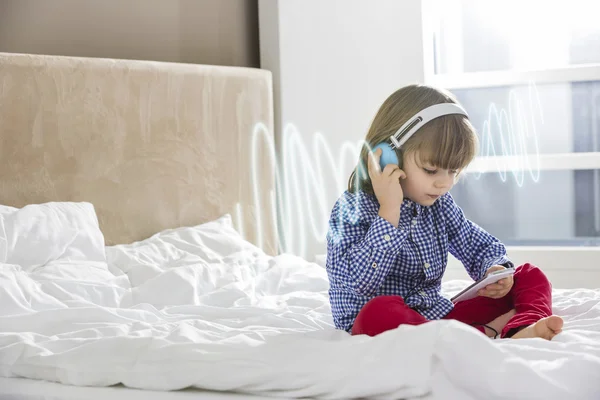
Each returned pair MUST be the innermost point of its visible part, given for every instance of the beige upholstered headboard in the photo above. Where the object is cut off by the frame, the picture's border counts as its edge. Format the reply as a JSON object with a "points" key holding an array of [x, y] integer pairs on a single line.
{"points": [[152, 145]]}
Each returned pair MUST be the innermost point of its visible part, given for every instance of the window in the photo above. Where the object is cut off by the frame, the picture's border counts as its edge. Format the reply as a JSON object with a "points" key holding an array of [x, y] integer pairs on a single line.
{"points": [[528, 73]]}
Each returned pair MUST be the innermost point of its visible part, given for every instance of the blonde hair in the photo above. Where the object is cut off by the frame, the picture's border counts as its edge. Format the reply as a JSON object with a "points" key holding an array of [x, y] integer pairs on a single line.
{"points": [[447, 142]]}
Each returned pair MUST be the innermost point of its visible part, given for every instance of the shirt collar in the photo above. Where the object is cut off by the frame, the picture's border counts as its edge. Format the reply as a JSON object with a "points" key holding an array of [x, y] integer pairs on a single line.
{"points": [[412, 207]]}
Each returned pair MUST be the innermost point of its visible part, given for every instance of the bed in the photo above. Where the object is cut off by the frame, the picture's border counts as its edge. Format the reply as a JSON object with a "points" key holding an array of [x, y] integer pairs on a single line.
{"points": [[138, 257]]}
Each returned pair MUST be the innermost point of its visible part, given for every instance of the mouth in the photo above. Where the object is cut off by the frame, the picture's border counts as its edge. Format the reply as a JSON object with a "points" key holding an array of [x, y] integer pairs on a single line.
{"points": [[433, 196]]}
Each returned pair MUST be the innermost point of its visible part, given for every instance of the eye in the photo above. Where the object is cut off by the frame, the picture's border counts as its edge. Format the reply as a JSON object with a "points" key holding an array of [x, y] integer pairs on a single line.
{"points": [[454, 171], [430, 171]]}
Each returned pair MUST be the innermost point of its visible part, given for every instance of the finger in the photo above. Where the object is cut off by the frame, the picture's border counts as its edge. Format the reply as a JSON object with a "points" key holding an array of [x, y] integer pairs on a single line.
{"points": [[496, 294], [493, 295], [489, 293], [389, 169], [505, 283], [396, 174], [373, 163], [494, 287]]}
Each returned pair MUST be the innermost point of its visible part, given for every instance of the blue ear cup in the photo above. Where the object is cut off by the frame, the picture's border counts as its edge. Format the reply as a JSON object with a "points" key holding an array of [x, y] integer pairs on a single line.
{"points": [[388, 155]]}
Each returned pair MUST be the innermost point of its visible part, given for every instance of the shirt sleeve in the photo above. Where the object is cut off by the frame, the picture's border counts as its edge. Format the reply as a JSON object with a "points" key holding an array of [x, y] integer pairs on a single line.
{"points": [[469, 243], [362, 246]]}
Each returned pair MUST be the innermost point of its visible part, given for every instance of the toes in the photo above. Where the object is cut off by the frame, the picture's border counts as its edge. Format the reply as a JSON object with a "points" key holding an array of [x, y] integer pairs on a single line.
{"points": [[555, 323]]}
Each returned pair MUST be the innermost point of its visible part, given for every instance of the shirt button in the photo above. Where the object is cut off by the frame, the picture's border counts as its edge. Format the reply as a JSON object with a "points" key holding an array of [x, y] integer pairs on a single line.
{"points": [[414, 221], [422, 293], [387, 238], [426, 265], [374, 265]]}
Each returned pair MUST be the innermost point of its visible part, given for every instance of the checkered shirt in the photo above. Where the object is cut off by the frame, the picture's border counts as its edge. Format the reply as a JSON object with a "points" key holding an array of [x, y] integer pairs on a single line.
{"points": [[367, 256]]}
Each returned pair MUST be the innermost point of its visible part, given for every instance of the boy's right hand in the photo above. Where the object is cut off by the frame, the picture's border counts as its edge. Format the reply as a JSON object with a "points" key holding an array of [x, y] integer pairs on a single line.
{"points": [[386, 185]]}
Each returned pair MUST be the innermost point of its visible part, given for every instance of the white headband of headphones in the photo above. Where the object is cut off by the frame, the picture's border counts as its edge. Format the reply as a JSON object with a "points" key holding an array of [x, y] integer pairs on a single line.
{"points": [[421, 118]]}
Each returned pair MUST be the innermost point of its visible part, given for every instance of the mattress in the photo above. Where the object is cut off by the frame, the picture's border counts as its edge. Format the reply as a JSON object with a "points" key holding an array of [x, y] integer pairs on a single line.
{"points": [[201, 308]]}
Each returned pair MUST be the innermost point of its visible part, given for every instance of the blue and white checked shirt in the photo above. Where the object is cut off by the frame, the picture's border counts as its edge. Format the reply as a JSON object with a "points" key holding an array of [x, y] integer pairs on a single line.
{"points": [[367, 256]]}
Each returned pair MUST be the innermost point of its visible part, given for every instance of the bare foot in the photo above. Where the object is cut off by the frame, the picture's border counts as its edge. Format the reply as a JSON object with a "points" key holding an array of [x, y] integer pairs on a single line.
{"points": [[545, 328], [499, 323]]}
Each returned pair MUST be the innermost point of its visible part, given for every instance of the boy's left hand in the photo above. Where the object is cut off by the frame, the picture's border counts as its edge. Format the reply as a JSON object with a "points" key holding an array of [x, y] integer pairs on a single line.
{"points": [[499, 289]]}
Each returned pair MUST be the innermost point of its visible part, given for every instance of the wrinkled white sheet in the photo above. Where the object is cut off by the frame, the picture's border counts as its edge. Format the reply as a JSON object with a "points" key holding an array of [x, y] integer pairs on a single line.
{"points": [[201, 307]]}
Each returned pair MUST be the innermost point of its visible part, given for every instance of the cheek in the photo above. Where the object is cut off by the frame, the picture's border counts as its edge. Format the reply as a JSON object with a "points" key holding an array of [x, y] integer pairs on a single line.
{"points": [[409, 185], [418, 185], [405, 183]]}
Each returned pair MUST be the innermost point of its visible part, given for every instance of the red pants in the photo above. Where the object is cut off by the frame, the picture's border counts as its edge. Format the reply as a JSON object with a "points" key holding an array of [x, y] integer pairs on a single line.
{"points": [[530, 296]]}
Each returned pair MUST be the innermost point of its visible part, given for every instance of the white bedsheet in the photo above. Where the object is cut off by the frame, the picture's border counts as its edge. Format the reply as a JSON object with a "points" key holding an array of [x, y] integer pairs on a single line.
{"points": [[29, 389], [200, 307]]}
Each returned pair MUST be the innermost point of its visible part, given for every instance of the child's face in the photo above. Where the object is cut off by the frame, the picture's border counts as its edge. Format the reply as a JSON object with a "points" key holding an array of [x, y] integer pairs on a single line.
{"points": [[425, 183]]}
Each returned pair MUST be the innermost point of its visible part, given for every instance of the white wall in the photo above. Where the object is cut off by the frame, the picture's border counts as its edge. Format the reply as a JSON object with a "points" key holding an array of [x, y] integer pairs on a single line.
{"points": [[333, 62]]}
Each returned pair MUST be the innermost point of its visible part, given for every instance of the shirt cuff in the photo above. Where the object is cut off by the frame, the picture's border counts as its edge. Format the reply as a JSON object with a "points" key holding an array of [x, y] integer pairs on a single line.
{"points": [[504, 261], [382, 235]]}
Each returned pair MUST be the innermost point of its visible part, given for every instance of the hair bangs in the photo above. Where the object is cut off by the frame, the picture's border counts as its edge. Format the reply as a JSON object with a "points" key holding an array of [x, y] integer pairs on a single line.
{"points": [[447, 142]]}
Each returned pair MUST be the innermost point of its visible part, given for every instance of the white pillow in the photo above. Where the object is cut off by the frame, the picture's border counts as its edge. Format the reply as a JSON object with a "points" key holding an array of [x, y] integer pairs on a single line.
{"points": [[36, 234], [7, 209]]}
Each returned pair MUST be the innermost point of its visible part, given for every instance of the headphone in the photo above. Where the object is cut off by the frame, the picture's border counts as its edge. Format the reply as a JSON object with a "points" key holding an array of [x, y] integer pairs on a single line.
{"points": [[389, 154]]}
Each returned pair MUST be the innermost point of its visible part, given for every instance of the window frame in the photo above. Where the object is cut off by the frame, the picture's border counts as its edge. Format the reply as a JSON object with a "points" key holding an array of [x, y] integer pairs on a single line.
{"points": [[555, 258]]}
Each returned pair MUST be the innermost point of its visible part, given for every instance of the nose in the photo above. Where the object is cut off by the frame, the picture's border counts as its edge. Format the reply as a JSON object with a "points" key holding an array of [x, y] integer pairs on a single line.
{"points": [[444, 182]]}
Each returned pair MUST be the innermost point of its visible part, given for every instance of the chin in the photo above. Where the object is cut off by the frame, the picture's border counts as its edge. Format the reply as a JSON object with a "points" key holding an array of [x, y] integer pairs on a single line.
{"points": [[428, 201]]}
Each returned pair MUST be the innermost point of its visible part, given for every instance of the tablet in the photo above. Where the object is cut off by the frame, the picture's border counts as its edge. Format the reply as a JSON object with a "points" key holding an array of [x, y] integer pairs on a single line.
{"points": [[471, 291]]}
